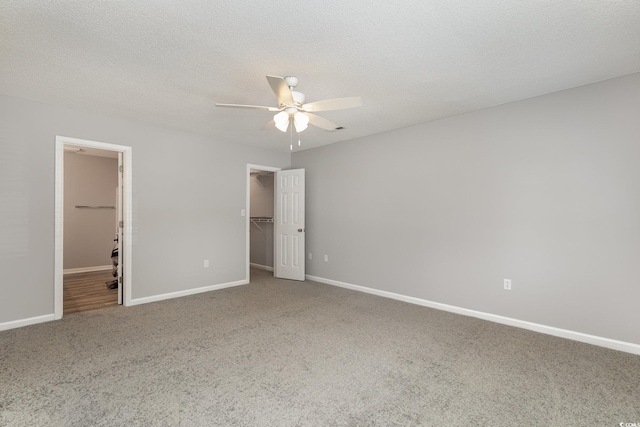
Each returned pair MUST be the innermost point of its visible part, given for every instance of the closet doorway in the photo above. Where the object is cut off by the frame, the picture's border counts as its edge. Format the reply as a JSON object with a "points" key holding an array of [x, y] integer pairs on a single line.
{"points": [[93, 227], [260, 221], [275, 233], [91, 234]]}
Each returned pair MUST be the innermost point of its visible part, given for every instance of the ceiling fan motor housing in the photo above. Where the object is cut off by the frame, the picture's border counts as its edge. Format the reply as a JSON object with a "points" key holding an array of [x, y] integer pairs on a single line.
{"points": [[298, 97]]}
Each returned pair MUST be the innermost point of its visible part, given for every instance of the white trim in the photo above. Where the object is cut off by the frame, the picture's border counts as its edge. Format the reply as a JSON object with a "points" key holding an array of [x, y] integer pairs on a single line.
{"points": [[261, 267], [26, 322], [127, 232], [179, 294], [549, 330], [86, 269], [125, 240], [247, 205], [59, 231]]}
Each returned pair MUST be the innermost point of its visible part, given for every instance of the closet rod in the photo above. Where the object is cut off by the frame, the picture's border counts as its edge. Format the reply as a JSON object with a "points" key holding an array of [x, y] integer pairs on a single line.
{"points": [[94, 207], [262, 219]]}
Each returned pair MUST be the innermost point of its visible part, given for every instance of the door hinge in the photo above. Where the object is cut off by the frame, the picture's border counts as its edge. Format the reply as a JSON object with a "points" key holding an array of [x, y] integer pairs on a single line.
{"points": [[120, 279], [120, 168], [121, 224]]}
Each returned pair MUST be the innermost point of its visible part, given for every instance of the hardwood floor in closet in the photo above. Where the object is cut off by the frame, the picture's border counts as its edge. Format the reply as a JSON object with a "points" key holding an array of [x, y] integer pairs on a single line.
{"points": [[87, 291]]}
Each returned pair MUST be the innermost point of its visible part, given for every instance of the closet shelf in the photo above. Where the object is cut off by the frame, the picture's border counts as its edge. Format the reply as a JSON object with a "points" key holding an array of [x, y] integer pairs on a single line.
{"points": [[262, 219], [94, 207], [256, 219]]}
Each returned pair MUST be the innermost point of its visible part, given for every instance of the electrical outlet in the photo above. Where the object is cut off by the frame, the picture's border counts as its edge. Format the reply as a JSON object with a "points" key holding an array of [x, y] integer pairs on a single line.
{"points": [[206, 263], [310, 255], [507, 284], [326, 258]]}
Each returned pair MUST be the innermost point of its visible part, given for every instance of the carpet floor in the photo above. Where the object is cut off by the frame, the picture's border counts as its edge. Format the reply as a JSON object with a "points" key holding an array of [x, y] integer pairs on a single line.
{"points": [[284, 353]]}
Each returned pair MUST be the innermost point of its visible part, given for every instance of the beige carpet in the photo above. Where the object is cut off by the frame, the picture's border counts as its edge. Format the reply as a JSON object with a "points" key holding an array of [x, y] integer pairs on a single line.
{"points": [[281, 353]]}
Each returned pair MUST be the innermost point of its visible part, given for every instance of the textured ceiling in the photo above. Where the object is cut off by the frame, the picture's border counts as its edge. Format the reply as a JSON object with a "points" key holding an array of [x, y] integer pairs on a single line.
{"points": [[169, 62]]}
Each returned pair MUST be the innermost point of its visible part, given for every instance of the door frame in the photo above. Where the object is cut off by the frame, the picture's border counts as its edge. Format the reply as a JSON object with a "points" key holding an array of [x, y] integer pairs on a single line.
{"points": [[248, 212], [126, 234]]}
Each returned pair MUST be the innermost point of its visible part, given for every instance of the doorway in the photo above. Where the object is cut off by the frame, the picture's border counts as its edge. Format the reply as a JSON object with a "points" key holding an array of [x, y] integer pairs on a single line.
{"points": [[91, 232], [260, 218], [286, 215], [113, 205]]}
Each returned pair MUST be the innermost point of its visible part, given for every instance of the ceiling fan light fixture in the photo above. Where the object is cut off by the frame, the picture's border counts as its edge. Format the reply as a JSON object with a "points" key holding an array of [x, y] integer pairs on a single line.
{"points": [[281, 121], [300, 121]]}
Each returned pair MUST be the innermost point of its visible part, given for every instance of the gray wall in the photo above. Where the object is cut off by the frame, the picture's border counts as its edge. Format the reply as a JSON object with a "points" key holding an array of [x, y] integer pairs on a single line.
{"points": [[188, 191], [545, 192], [89, 233], [542, 191], [261, 241]]}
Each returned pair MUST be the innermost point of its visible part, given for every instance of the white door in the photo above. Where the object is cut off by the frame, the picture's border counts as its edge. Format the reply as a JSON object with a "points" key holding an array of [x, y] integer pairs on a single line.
{"points": [[289, 225], [119, 227]]}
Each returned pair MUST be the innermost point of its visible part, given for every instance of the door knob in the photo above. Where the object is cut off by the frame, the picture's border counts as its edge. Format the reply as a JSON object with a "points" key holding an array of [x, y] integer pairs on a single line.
{"points": [[300, 230]]}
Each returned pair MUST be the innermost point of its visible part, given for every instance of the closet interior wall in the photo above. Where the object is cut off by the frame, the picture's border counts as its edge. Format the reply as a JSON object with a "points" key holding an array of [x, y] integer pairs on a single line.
{"points": [[89, 210]]}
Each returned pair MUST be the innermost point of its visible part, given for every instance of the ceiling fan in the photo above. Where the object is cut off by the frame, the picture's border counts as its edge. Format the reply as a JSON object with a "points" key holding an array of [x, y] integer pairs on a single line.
{"points": [[292, 110]]}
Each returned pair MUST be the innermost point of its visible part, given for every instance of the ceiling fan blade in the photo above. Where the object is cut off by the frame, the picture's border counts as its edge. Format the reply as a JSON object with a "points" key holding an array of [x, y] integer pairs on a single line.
{"points": [[321, 122], [282, 91], [269, 126], [253, 107], [333, 104]]}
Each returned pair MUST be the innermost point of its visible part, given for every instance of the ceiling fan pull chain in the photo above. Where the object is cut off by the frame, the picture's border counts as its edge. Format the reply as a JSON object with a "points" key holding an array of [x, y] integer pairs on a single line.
{"points": [[291, 142]]}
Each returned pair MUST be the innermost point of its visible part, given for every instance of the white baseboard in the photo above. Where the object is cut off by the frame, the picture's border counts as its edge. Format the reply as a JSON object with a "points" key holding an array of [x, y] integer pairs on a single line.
{"points": [[86, 269], [549, 330], [179, 294], [26, 322], [261, 267]]}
